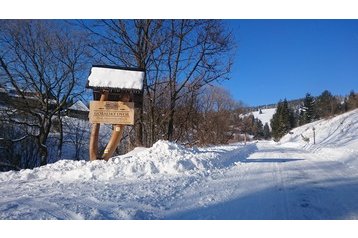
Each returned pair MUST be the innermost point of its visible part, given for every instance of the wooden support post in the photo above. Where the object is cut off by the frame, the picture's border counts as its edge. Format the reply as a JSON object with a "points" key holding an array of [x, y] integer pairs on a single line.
{"points": [[93, 146], [113, 141], [117, 133]]}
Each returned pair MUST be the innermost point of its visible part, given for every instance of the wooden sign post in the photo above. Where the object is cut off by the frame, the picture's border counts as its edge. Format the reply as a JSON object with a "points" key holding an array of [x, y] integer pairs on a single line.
{"points": [[93, 146], [114, 90]]}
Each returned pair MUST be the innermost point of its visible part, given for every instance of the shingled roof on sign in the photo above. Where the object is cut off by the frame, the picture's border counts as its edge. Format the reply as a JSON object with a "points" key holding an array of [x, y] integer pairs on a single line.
{"points": [[112, 77]]}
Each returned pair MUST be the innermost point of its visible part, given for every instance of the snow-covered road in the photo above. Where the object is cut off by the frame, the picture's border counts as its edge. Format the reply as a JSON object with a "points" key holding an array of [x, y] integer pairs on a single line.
{"points": [[257, 181], [275, 182]]}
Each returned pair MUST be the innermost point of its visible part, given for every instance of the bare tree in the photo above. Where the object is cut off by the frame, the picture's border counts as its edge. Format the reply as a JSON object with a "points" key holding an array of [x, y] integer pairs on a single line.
{"points": [[132, 43], [198, 53], [215, 123], [76, 135], [179, 56], [43, 62]]}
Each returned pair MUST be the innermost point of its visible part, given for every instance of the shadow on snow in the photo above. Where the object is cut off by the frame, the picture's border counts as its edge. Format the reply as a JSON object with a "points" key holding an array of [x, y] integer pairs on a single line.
{"points": [[318, 200]]}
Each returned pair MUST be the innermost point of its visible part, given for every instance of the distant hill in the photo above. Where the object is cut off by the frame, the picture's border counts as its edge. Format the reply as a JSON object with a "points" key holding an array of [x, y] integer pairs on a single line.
{"points": [[265, 116], [291, 103]]}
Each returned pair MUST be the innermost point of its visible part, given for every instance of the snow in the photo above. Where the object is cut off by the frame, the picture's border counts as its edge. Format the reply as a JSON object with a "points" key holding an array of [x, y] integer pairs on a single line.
{"points": [[266, 115], [79, 106], [338, 131], [163, 158], [264, 180], [115, 78], [335, 138]]}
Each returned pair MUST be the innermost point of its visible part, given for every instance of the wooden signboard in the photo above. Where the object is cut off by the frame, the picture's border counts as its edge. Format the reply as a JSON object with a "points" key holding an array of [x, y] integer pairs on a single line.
{"points": [[108, 112]]}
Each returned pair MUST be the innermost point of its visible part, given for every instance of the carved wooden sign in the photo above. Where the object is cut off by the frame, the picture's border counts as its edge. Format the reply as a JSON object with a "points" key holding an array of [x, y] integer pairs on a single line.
{"points": [[109, 112]]}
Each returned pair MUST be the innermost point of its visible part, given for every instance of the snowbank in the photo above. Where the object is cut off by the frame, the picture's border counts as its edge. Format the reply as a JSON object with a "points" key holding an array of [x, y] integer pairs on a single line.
{"points": [[163, 158], [334, 132], [336, 138]]}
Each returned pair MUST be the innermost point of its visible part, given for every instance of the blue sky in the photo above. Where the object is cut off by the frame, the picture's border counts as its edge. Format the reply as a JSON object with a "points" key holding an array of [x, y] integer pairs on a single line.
{"points": [[279, 59]]}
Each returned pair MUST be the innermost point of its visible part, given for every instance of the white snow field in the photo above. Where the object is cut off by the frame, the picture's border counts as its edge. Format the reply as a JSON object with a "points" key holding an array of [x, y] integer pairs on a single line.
{"points": [[291, 179], [265, 116]]}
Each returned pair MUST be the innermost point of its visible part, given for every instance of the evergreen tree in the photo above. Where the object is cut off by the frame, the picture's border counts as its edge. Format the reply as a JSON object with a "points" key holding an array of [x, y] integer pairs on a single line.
{"points": [[307, 113], [282, 121], [292, 118], [352, 101], [327, 104], [266, 131], [345, 105], [257, 129]]}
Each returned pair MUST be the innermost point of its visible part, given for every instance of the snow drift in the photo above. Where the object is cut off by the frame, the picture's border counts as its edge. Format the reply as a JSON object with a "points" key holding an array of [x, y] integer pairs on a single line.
{"points": [[336, 137], [163, 158]]}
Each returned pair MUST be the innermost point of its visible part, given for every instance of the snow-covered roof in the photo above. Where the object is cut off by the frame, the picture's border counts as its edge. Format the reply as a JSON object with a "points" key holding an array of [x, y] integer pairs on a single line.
{"points": [[79, 106], [116, 77]]}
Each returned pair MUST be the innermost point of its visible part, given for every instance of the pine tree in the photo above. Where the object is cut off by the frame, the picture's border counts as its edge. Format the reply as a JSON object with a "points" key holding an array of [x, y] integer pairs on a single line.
{"points": [[292, 118], [266, 131], [282, 121], [327, 104], [275, 121], [257, 129], [307, 113], [345, 105], [352, 101]]}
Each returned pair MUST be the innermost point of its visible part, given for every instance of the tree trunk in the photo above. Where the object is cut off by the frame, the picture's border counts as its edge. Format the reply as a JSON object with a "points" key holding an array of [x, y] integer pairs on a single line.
{"points": [[43, 149], [170, 131], [60, 142], [153, 121], [139, 128]]}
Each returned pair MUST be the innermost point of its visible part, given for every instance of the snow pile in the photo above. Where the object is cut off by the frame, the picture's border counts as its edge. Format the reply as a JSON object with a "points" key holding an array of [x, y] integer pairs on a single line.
{"points": [[116, 78], [337, 131], [163, 158]]}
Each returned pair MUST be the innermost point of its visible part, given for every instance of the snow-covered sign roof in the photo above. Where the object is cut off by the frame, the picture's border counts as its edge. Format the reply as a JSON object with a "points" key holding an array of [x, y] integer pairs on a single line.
{"points": [[79, 106], [116, 77]]}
